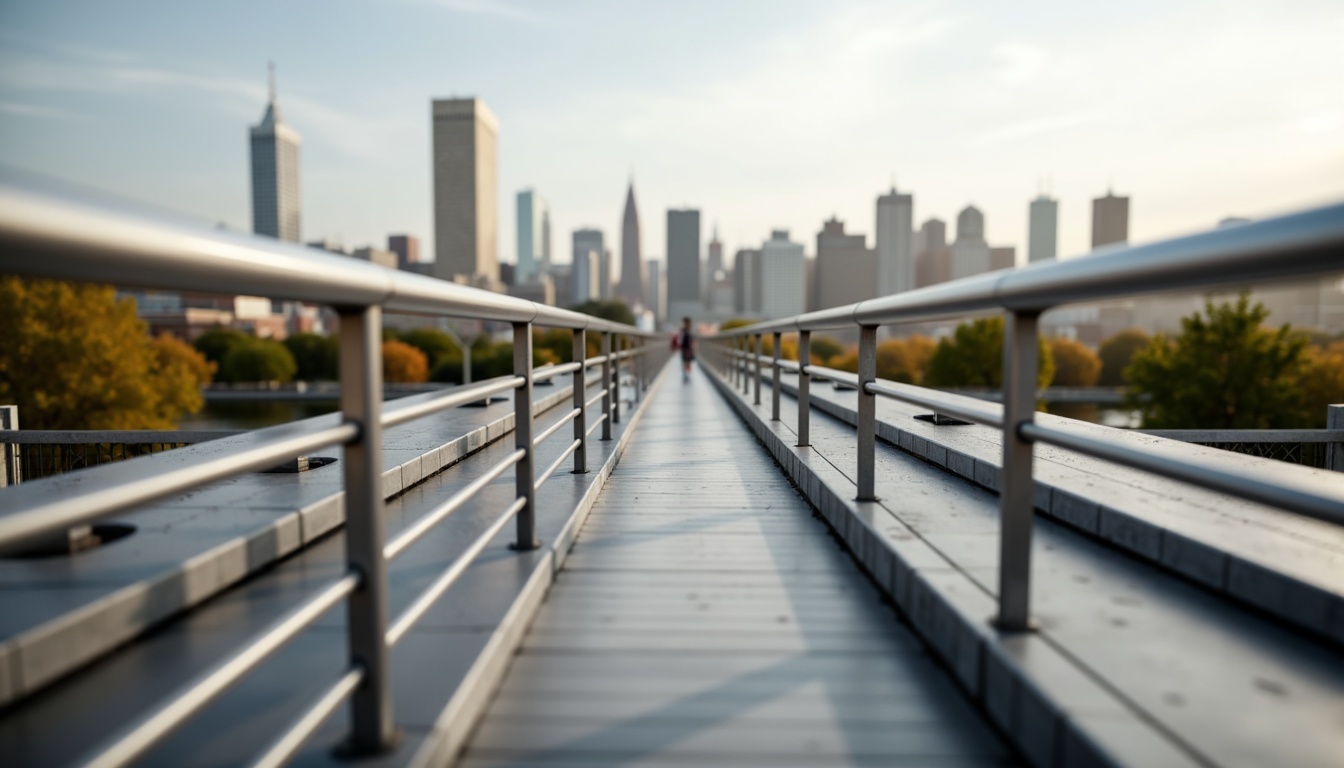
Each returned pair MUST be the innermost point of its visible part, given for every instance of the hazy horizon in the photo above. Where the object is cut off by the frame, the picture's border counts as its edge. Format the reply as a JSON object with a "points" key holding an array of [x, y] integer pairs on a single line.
{"points": [[761, 115]]}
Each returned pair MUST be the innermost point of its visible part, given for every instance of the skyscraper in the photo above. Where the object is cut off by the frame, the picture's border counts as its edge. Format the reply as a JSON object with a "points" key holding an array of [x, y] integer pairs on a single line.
{"points": [[604, 274], [933, 258], [534, 234], [783, 280], [1042, 229], [1110, 220], [655, 297], [586, 264], [969, 252], [632, 290], [846, 267], [407, 248], [747, 281], [465, 220], [895, 243], [715, 262], [275, 174], [683, 262]]}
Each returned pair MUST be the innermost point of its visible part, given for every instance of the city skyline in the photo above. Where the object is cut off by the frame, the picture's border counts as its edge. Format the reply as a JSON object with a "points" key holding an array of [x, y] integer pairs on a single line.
{"points": [[89, 92]]}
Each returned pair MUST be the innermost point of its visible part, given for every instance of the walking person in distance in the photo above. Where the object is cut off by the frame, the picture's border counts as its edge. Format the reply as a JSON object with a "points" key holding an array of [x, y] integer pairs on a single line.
{"points": [[685, 341]]}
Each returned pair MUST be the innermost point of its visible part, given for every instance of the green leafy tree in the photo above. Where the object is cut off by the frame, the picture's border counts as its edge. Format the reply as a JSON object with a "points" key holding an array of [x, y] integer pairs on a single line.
{"points": [[824, 348], [1115, 354], [216, 342], [1075, 364], [973, 357], [316, 357], [737, 322], [1225, 370], [257, 360], [615, 311], [437, 345], [74, 357]]}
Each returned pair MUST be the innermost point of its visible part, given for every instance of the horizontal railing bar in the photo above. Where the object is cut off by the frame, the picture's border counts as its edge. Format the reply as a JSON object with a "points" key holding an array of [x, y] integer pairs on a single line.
{"points": [[288, 744], [1239, 483], [426, 599], [58, 236], [551, 371], [833, 374], [148, 731], [592, 361], [35, 511], [1246, 435], [394, 414], [127, 436], [596, 423], [988, 415], [420, 527], [551, 430], [546, 475], [595, 398]]}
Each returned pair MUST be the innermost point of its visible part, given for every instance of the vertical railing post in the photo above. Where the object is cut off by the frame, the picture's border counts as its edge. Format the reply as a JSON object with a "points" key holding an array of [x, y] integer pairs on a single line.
{"points": [[617, 345], [1016, 493], [1334, 452], [524, 470], [774, 377], [579, 352], [606, 385], [10, 473], [361, 399], [867, 414], [757, 360], [637, 363], [804, 389], [746, 365]]}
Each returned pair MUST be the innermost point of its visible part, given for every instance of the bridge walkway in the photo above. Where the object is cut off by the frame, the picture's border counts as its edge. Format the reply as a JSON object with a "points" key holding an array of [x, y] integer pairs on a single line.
{"points": [[705, 618]]}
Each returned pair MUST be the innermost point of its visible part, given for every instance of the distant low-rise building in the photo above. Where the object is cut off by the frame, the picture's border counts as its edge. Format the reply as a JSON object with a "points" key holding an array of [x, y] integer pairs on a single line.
{"points": [[379, 256]]}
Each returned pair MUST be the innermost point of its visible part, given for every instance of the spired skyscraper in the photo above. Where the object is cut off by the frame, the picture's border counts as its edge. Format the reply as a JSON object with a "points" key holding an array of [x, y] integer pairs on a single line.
{"points": [[466, 237], [633, 285], [275, 174]]}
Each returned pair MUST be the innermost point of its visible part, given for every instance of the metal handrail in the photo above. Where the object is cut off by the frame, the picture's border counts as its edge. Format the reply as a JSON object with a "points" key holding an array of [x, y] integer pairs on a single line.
{"points": [[43, 235], [556, 427], [564, 455], [1298, 245]]}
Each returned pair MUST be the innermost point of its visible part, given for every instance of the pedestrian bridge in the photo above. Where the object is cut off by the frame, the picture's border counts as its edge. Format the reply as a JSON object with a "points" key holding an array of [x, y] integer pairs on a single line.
{"points": [[616, 567]]}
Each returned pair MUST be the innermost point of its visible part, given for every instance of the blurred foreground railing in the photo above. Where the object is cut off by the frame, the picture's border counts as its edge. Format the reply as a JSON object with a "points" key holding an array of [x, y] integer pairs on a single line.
{"points": [[1300, 245], [47, 236]]}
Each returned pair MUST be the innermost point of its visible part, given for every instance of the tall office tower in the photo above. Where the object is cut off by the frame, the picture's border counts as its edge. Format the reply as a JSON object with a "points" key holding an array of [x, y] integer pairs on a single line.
{"points": [[846, 267], [747, 282], [632, 261], [932, 259], [683, 263], [465, 220], [1042, 229], [275, 174], [604, 272], [533, 234], [656, 305], [1110, 220], [407, 248], [783, 277], [715, 263], [585, 274], [969, 252], [895, 243]]}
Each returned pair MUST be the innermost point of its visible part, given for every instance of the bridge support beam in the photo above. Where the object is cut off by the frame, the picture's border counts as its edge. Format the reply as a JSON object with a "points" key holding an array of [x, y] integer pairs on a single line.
{"points": [[1016, 492], [361, 370], [756, 340], [867, 414], [774, 378], [579, 353], [804, 389], [606, 385], [525, 469]]}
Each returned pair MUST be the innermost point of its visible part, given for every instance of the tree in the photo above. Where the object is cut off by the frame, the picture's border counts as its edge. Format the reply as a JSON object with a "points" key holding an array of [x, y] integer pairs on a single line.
{"points": [[736, 322], [404, 364], [257, 360], [904, 360], [216, 342], [973, 357], [74, 357], [1322, 381], [1075, 364], [316, 357], [437, 345], [1116, 353], [1223, 371], [823, 348], [615, 311]]}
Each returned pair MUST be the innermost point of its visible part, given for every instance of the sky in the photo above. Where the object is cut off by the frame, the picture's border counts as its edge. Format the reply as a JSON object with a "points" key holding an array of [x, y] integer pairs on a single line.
{"points": [[762, 114]]}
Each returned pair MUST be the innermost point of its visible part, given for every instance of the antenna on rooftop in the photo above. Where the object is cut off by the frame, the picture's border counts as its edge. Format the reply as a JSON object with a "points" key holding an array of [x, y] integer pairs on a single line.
{"points": [[270, 76]]}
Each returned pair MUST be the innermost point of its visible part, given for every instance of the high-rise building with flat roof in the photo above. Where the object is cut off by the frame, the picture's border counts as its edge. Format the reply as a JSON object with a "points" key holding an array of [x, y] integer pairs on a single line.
{"points": [[846, 267], [466, 239], [533, 237], [275, 174], [589, 245], [933, 257], [656, 305], [633, 288], [783, 278], [1042, 229], [895, 243], [969, 253], [683, 262], [1110, 220], [407, 248], [747, 282]]}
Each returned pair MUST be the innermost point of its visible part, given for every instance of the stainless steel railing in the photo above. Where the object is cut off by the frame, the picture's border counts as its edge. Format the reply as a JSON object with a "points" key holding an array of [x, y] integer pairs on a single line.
{"points": [[42, 235], [1299, 245]]}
